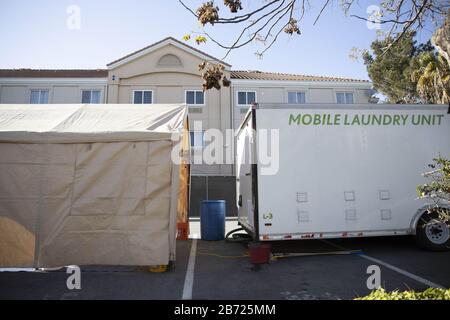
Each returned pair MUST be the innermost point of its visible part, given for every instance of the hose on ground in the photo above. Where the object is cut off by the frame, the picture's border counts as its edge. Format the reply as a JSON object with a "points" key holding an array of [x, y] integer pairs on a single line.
{"points": [[232, 236]]}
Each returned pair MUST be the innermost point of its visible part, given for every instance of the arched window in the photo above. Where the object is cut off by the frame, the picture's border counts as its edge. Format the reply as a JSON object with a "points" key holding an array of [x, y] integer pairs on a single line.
{"points": [[169, 60]]}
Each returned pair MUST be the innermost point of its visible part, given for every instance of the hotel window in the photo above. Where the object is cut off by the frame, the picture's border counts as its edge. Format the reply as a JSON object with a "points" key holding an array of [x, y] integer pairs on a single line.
{"points": [[197, 139], [296, 97], [39, 96], [246, 98], [344, 97], [90, 96], [142, 97], [195, 97]]}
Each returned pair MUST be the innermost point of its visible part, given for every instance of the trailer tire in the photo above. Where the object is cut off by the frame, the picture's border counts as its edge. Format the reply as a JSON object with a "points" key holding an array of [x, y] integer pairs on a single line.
{"points": [[432, 233]]}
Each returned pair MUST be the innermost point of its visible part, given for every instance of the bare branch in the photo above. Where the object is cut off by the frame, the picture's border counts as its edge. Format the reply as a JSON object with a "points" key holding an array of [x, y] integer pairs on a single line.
{"points": [[327, 2], [268, 20]]}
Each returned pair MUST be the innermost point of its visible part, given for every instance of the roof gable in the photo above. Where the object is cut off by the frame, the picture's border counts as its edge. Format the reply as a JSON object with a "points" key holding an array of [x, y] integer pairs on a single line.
{"points": [[137, 54]]}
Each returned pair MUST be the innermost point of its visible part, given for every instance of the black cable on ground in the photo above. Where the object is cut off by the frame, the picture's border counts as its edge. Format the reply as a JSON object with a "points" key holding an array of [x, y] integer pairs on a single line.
{"points": [[238, 237]]}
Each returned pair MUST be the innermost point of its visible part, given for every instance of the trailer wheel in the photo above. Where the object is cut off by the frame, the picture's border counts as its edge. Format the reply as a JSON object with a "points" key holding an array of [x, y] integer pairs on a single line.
{"points": [[432, 233]]}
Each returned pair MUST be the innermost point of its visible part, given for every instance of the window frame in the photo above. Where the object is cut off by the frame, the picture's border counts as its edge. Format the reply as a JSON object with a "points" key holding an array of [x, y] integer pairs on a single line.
{"points": [[296, 95], [195, 97], [143, 90], [40, 92], [191, 140], [246, 97], [91, 90], [345, 96]]}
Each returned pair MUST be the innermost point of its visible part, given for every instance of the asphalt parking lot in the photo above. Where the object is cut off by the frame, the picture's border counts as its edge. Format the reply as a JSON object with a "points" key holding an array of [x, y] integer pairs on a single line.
{"points": [[221, 270]]}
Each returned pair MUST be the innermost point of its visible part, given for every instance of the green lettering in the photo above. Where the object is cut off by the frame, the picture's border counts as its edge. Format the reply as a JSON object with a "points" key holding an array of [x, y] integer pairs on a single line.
{"points": [[356, 120], [337, 119], [377, 119], [426, 119], [365, 119], [387, 120], [415, 121], [307, 122], [404, 118], [346, 120], [295, 120], [317, 119], [329, 120], [396, 121]]}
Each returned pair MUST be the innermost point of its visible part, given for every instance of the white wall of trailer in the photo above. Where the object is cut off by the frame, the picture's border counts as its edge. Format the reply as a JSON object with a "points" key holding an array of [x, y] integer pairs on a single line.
{"points": [[341, 180]]}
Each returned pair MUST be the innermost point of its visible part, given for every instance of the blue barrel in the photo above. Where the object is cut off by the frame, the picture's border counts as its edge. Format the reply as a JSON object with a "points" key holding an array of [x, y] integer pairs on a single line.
{"points": [[212, 220]]}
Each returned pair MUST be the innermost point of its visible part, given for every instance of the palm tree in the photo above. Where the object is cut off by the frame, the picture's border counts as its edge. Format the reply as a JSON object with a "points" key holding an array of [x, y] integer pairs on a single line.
{"points": [[432, 77]]}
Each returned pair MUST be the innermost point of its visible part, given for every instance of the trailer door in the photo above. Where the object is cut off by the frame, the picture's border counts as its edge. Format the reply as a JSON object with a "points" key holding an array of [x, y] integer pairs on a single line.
{"points": [[244, 159]]}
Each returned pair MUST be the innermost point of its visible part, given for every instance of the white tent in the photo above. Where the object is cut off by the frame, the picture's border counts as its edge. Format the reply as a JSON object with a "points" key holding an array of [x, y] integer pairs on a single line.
{"points": [[88, 184]]}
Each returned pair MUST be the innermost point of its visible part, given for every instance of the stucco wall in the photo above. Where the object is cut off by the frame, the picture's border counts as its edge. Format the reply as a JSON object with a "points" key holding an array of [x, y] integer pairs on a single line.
{"points": [[169, 72], [70, 93], [278, 93]]}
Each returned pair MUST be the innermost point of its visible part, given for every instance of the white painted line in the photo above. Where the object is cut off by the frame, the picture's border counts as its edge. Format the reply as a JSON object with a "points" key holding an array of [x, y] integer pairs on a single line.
{"points": [[189, 280], [403, 272], [393, 268], [17, 269]]}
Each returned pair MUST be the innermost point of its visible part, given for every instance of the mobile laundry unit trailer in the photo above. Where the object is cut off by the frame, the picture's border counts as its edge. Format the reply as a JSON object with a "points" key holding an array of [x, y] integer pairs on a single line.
{"points": [[341, 171]]}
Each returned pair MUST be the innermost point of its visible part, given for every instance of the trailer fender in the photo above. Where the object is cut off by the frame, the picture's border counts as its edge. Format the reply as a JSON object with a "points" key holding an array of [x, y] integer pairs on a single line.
{"points": [[420, 212]]}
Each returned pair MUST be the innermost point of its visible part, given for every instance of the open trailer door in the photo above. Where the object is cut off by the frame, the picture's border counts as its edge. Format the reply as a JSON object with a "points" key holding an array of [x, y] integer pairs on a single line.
{"points": [[246, 175]]}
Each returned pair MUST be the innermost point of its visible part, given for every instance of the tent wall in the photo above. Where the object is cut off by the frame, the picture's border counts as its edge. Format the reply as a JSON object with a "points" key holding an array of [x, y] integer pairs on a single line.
{"points": [[87, 204]]}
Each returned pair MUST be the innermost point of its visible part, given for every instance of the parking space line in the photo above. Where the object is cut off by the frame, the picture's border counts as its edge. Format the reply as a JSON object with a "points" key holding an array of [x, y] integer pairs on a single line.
{"points": [[403, 272], [393, 268], [189, 279]]}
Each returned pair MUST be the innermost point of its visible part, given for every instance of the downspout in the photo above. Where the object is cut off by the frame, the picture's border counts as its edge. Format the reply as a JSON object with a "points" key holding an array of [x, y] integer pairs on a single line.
{"points": [[107, 89]]}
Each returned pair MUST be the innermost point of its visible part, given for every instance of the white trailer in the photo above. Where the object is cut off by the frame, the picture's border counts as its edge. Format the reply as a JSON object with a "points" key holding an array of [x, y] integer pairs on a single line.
{"points": [[344, 171]]}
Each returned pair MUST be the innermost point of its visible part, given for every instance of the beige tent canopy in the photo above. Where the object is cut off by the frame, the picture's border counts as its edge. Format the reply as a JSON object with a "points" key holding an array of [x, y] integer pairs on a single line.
{"points": [[89, 184]]}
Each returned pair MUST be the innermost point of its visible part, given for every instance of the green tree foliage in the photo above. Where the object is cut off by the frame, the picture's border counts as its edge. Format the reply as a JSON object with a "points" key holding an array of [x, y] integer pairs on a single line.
{"points": [[438, 189], [408, 73], [431, 74], [441, 39], [429, 294], [390, 71]]}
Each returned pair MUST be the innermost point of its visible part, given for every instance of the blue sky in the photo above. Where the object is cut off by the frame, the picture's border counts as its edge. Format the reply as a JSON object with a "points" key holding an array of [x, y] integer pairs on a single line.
{"points": [[34, 34]]}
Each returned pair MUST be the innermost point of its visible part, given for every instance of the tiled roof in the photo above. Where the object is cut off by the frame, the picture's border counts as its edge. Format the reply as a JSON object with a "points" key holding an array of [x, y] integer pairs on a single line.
{"points": [[103, 73], [163, 40], [260, 75], [47, 73]]}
